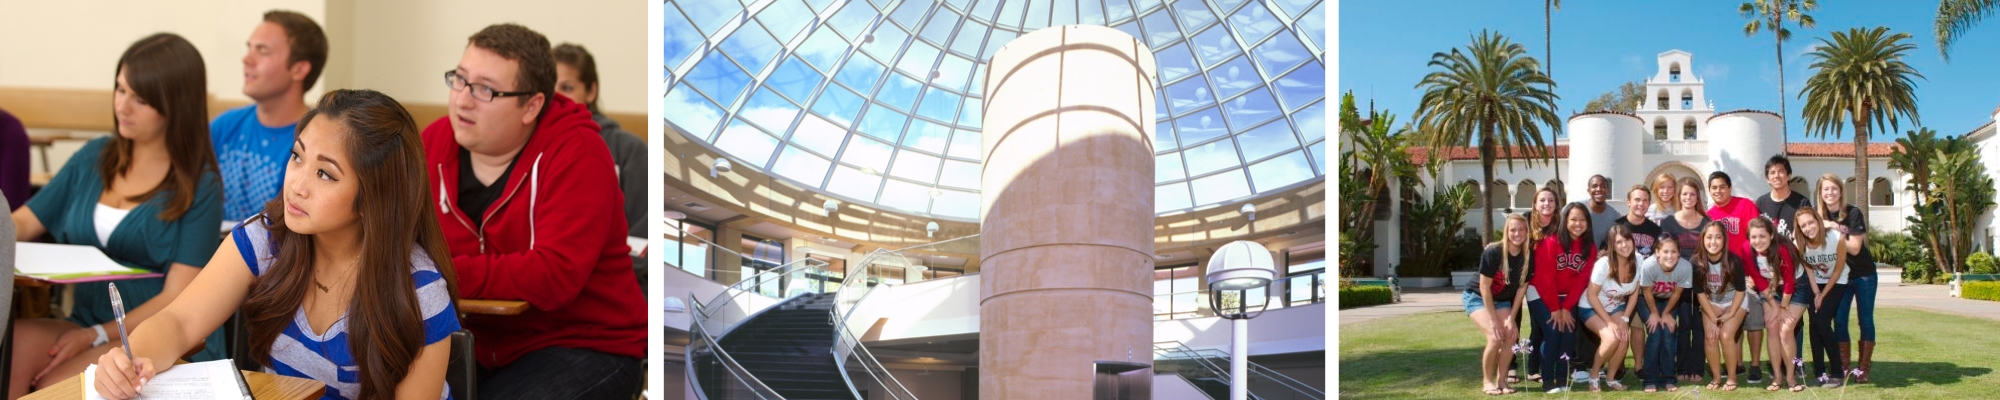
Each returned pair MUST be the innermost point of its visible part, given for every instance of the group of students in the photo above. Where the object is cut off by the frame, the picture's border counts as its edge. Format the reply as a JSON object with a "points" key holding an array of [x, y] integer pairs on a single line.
{"points": [[359, 232], [1680, 284]]}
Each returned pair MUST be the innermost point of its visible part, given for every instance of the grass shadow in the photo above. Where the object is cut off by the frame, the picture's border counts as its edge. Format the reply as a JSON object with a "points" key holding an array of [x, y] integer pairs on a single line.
{"points": [[1897, 374]]}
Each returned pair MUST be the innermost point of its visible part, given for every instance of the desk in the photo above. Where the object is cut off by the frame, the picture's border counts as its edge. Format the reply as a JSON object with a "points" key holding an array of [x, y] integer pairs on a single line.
{"points": [[262, 386], [492, 307]]}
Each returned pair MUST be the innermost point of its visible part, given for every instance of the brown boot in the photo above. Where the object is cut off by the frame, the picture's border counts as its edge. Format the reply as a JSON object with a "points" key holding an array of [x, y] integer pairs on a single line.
{"points": [[1867, 358], [1845, 355]]}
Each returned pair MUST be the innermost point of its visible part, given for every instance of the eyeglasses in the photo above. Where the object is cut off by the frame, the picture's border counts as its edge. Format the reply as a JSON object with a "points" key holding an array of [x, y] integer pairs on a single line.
{"points": [[479, 91]]}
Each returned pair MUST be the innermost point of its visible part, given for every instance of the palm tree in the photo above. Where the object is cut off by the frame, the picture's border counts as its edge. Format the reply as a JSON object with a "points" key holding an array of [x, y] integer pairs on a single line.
{"points": [[1771, 15], [1913, 156], [1490, 93], [1860, 79], [1549, 8], [1955, 17]]}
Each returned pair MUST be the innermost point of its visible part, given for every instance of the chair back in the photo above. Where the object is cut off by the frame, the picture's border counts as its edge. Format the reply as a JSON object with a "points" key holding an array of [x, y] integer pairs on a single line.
{"points": [[463, 373]]}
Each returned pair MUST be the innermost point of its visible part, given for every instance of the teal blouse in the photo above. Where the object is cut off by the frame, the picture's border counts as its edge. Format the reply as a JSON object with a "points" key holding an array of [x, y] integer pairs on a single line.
{"points": [[68, 206]]}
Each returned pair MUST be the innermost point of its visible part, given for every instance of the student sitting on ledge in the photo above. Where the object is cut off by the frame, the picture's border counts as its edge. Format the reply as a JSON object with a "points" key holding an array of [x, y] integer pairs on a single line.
{"points": [[147, 196], [530, 206], [345, 271]]}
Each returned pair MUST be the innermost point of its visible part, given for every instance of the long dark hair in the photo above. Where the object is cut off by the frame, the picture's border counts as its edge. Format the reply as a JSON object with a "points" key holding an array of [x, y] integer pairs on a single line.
{"points": [[386, 324], [1732, 267], [1626, 263], [1565, 238], [166, 72], [1781, 249], [586, 68]]}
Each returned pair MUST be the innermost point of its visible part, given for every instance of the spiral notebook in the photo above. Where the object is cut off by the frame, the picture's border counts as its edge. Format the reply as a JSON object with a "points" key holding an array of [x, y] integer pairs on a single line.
{"points": [[217, 379]]}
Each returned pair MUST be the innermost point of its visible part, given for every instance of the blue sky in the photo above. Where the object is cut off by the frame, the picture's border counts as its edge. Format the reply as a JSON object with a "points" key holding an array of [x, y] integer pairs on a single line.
{"points": [[1384, 46]]}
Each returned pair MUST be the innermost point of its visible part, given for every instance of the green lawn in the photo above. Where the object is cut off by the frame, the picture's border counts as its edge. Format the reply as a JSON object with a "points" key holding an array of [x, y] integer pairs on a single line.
{"points": [[1921, 355]]}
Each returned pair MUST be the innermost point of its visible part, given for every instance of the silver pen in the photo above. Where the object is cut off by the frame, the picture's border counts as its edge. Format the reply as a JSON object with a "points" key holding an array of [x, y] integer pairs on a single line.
{"points": [[118, 311]]}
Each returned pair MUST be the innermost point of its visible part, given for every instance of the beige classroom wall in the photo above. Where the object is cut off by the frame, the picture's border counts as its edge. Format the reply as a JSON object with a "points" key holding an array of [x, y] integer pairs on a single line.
{"points": [[398, 47]]}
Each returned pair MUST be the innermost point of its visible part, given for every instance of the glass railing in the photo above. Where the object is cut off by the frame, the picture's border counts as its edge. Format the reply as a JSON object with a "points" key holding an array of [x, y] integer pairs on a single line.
{"points": [[864, 367], [717, 376], [759, 291], [1208, 367], [1300, 289]]}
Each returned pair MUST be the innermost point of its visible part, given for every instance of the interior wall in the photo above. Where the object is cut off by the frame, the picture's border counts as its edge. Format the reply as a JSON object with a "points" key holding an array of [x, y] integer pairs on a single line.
{"points": [[398, 47]]}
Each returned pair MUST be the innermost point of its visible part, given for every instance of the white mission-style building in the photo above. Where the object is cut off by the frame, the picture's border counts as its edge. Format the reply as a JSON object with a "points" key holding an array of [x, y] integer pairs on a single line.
{"points": [[1676, 130]]}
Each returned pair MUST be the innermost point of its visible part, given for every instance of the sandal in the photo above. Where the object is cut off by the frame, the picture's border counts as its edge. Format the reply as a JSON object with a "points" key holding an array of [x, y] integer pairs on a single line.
{"points": [[1673, 388], [1651, 389], [1798, 388], [1615, 385], [1493, 392], [1715, 385], [1729, 387], [1507, 390], [1773, 388]]}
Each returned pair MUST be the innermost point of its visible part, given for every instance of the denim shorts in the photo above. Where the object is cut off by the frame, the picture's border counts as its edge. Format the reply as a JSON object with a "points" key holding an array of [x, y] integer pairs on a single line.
{"points": [[1802, 294], [1474, 303], [1589, 313]]}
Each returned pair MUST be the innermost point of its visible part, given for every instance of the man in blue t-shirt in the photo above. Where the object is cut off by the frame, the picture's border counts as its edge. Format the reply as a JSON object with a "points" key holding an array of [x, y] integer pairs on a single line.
{"points": [[284, 57]]}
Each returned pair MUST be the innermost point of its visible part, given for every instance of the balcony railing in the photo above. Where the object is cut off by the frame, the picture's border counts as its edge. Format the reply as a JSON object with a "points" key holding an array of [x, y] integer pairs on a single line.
{"points": [[1677, 147]]}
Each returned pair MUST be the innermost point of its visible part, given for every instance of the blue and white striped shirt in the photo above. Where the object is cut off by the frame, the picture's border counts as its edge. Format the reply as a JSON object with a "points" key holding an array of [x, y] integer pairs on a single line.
{"points": [[326, 357]]}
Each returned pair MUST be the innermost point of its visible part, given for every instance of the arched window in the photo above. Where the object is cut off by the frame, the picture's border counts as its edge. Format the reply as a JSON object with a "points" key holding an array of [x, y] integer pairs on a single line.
{"points": [[1524, 196], [1661, 100], [1880, 193], [1659, 129], [1674, 72], [1851, 191], [1687, 99], [1562, 195], [1496, 192], [1688, 129]]}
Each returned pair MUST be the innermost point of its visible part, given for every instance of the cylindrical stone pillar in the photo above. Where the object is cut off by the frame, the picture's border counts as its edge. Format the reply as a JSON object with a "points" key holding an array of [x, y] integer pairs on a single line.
{"points": [[1066, 242]]}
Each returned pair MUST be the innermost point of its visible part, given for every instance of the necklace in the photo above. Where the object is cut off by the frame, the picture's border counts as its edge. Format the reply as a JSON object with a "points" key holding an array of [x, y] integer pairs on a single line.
{"points": [[322, 287]]}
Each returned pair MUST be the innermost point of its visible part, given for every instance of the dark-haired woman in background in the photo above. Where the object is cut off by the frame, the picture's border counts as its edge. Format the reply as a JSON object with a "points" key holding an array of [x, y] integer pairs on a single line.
{"points": [[1562, 271], [147, 195], [576, 78], [345, 271]]}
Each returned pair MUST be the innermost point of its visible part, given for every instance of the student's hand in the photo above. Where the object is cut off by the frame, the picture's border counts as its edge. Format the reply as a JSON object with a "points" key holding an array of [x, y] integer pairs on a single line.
{"points": [[1818, 299], [68, 345], [1506, 322], [1673, 324], [117, 379]]}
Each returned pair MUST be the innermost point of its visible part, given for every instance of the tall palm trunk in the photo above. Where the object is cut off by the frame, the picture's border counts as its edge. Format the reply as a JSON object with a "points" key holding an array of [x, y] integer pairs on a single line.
{"points": [[1548, 68], [1784, 114], [1487, 155]]}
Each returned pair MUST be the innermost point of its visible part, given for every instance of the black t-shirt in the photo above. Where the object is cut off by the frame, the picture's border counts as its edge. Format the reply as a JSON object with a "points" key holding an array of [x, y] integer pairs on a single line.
{"points": [[1504, 287], [1782, 212], [475, 197], [1863, 264], [1644, 235], [1688, 237]]}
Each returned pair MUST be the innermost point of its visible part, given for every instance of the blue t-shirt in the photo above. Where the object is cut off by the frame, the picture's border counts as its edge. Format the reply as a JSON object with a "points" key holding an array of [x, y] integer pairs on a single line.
{"points": [[252, 159], [326, 357]]}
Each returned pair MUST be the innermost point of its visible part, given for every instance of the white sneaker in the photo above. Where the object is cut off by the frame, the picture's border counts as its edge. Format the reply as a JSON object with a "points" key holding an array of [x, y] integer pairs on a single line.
{"points": [[1558, 390], [1580, 376]]}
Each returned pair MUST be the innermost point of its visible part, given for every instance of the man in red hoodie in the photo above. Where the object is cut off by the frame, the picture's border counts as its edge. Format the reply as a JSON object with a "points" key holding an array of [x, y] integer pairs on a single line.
{"points": [[530, 207]]}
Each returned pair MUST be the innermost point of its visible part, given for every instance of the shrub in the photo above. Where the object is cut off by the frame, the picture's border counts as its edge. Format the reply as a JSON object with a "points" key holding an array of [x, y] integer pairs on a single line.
{"points": [[1363, 296], [1465, 252], [1981, 290], [1896, 248], [1982, 263], [1919, 272]]}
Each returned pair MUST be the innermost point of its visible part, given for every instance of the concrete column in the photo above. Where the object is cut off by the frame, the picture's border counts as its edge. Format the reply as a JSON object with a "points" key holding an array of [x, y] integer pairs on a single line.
{"points": [[1067, 237], [728, 266]]}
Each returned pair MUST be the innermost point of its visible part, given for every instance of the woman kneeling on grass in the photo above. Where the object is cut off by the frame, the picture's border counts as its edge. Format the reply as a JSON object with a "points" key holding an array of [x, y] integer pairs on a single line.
{"points": [[1491, 301], [1614, 285], [1722, 303]]}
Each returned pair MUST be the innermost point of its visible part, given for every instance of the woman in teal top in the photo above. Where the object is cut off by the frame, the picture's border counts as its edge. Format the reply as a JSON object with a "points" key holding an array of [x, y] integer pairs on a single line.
{"points": [[148, 196]]}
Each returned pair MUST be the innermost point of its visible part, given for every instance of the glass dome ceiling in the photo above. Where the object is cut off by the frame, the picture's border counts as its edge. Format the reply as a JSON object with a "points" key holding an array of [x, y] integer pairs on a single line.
{"points": [[878, 101]]}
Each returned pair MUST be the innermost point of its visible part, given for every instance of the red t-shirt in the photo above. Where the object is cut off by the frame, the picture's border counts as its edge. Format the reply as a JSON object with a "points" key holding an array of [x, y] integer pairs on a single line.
{"points": [[1735, 216]]}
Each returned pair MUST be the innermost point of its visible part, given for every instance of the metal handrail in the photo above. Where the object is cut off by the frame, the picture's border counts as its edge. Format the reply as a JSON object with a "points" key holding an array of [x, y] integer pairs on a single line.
{"points": [[846, 344], [1257, 371], [704, 340]]}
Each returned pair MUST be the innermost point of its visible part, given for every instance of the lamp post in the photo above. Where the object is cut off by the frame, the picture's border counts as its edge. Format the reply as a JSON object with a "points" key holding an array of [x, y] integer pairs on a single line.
{"points": [[1239, 266]]}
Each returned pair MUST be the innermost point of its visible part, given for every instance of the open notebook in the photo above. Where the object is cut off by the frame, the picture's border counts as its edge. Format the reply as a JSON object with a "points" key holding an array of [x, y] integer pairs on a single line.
{"points": [[217, 379]]}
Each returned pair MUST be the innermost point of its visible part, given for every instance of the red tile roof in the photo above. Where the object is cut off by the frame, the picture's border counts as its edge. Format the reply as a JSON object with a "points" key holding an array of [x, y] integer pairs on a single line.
{"points": [[1837, 149], [1455, 153]]}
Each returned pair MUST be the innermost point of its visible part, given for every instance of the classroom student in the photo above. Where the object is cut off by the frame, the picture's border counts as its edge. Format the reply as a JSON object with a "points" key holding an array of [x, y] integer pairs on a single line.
{"points": [[1723, 304], [1777, 266], [1826, 255], [1665, 283], [1562, 272], [344, 279], [576, 78], [529, 202], [147, 195], [14, 160], [1491, 301], [1614, 286], [282, 59], [1852, 224]]}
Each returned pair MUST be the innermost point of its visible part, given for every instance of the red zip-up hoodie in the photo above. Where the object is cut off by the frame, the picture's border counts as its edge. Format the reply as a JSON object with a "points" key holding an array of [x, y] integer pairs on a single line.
{"points": [[1560, 271], [555, 238]]}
